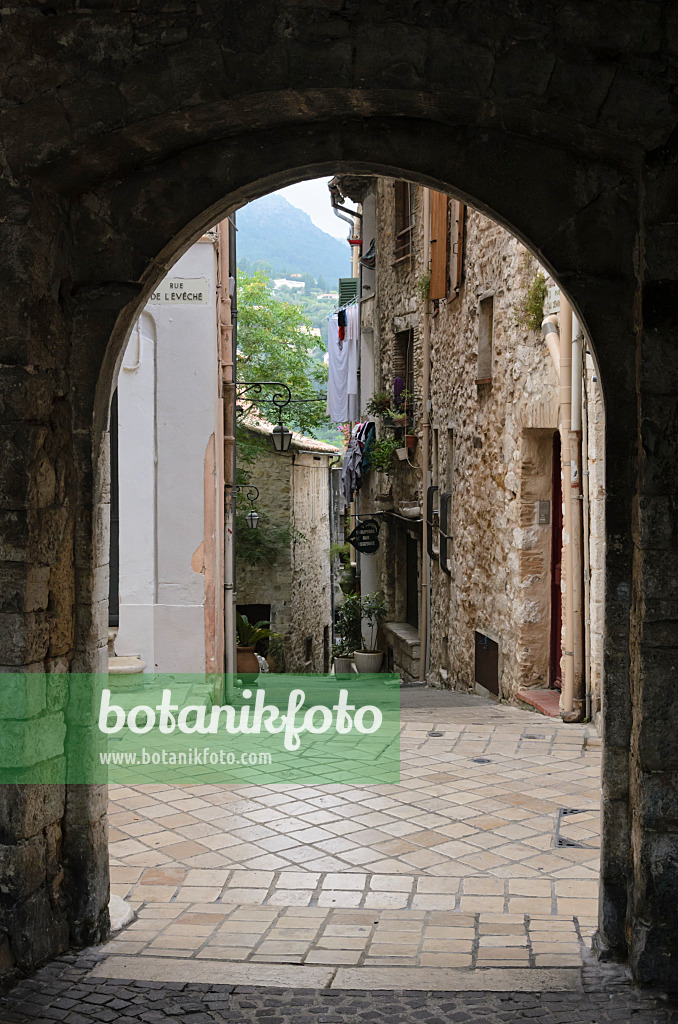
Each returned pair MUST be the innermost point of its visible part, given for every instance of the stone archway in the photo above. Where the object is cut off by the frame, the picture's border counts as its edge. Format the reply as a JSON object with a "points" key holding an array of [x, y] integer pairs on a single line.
{"points": [[112, 169]]}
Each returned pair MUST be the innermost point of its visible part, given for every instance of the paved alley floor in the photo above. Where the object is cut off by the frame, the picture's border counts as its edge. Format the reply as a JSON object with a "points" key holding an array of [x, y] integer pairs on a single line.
{"points": [[485, 855], [465, 893]]}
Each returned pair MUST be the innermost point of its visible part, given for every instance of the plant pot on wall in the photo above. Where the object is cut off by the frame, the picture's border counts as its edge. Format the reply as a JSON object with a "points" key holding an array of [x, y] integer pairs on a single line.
{"points": [[410, 440], [368, 661]]}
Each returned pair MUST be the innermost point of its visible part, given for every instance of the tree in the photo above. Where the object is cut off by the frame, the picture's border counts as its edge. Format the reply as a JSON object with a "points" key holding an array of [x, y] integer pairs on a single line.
{"points": [[276, 343]]}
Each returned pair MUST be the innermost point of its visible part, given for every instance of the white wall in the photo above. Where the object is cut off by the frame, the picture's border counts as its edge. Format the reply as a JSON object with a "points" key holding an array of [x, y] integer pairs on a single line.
{"points": [[168, 410]]}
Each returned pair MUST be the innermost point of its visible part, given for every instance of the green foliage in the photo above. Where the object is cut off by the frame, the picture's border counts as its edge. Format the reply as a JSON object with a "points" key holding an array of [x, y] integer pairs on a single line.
{"points": [[529, 312], [379, 403], [374, 611], [275, 343], [276, 651], [381, 457], [262, 546], [249, 634], [349, 627], [424, 286]]}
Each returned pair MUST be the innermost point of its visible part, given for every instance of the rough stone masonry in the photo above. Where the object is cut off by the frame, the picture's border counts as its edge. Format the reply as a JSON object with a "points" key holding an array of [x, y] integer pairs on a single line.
{"points": [[130, 127]]}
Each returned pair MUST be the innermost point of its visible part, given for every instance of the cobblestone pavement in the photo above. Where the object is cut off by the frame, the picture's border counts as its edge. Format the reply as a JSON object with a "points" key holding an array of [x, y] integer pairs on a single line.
{"points": [[497, 811], [484, 855], [65, 991]]}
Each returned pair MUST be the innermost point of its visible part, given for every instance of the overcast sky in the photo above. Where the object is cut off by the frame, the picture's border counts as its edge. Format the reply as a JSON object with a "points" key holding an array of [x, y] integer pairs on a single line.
{"points": [[313, 198]]}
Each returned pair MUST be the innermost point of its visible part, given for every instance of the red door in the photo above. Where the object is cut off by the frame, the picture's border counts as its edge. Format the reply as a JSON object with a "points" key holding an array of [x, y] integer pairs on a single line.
{"points": [[556, 566]]}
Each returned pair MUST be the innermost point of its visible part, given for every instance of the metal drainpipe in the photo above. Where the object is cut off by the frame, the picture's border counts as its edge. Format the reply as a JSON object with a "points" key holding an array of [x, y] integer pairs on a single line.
{"points": [[227, 346], [577, 521], [567, 696], [587, 552], [425, 440]]}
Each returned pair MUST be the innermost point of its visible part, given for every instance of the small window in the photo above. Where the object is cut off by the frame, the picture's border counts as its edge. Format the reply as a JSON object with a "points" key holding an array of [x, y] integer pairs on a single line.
{"points": [[403, 358], [457, 247], [308, 649], [404, 220], [485, 319], [487, 663]]}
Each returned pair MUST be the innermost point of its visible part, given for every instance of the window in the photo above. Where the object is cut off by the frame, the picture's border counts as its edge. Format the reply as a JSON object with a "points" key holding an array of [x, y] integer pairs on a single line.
{"points": [[439, 245], [485, 318], [457, 248], [403, 358], [434, 456], [404, 220]]}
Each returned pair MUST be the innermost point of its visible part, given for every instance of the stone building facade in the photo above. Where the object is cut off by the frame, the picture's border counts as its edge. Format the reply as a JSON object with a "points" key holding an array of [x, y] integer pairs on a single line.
{"points": [[294, 591], [496, 590], [131, 128]]}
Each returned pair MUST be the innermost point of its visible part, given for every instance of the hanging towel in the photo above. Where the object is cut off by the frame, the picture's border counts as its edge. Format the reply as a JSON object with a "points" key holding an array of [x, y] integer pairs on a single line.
{"points": [[337, 373]]}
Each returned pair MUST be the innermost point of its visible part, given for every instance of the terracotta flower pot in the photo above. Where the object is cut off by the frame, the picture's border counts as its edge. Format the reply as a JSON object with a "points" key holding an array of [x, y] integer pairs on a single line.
{"points": [[368, 661], [410, 440], [246, 662]]}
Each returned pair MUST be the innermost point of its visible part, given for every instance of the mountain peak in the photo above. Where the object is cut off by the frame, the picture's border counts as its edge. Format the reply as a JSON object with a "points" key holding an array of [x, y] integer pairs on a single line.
{"points": [[271, 229]]}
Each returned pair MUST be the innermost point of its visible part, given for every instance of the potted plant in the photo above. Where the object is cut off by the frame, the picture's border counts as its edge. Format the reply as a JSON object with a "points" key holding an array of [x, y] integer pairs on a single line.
{"points": [[349, 633], [410, 440], [379, 404], [247, 638], [381, 456], [369, 658]]}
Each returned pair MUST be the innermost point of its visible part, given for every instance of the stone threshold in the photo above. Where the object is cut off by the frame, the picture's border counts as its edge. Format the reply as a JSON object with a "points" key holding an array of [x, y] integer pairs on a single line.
{"points": [[546, 702], [413, 979]]}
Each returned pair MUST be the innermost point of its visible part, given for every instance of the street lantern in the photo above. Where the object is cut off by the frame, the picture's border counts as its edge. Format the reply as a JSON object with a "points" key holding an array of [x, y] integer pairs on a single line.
{"points": [[252, 519], [281, 438]]}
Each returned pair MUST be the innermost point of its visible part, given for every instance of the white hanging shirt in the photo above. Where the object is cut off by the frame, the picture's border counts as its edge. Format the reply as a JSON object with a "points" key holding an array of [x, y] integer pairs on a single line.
{"points": [[337, 373]]}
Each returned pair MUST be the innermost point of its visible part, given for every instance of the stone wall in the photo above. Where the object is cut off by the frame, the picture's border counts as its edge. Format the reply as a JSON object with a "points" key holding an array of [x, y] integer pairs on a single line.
{"points": [[293, 495], [491, 449], [129, 128]]}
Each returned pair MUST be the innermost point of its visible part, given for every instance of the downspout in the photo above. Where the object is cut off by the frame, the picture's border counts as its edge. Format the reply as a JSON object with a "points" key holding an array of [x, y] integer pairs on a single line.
{"points": [[227, 345], [425, 442], [347, 215], [587, 550], [577, 518], [565, 318]]}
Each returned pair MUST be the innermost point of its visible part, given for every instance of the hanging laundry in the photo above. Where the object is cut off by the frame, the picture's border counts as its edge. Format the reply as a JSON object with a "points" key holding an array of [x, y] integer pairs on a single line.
{"points": [[342, 365], [341, 321], [351, 471], [337, 373], [353, 343]]}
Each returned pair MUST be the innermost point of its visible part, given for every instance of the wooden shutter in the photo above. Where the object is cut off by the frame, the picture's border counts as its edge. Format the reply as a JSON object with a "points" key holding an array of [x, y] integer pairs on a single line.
{"points": [[439, 246], [457, 253], [348, 289]]}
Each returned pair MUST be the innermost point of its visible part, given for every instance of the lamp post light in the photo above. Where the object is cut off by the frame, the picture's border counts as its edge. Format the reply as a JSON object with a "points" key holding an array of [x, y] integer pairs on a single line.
{"points": [[252, 494], [280, 436]]}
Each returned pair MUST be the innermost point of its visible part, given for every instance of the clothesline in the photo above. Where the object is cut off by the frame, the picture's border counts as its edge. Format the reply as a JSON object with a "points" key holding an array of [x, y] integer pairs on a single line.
{"points": [[351, 302]]}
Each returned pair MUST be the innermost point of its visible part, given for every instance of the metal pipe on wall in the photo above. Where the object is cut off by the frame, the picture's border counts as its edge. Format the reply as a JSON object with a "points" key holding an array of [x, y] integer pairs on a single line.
{"points": [[577, 520], [565, 318], [425, 443], [227, 345]]}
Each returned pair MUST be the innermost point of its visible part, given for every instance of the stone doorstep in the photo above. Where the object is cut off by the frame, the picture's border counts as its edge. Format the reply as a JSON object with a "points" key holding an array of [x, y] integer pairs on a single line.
{"points": [[546, 702], [422, 979]]}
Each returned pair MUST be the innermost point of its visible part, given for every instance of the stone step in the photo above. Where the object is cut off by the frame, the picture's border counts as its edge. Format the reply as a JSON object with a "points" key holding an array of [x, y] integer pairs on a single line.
{"points": [[546, 702]]}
